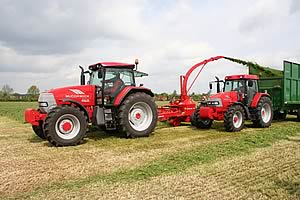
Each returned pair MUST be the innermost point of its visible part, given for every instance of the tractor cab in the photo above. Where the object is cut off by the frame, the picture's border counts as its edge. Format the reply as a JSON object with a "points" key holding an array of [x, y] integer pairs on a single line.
{"points": [[245, 85], [110, 78]]}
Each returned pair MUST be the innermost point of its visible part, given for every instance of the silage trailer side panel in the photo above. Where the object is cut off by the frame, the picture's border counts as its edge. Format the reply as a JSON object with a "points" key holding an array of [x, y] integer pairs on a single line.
{"points": [[283, 86], [291, 84]]}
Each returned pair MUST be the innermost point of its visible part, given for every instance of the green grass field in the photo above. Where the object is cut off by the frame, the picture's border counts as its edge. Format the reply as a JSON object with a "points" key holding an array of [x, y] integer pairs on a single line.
{"points": [[173, 163]]}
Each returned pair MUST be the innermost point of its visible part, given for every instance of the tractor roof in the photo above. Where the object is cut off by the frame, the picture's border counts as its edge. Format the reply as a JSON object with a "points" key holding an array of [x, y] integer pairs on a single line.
{"points": [[243, 76], [110, 64]]}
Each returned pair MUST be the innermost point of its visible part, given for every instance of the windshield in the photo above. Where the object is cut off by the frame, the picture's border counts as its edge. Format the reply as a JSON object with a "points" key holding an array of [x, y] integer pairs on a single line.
{"points": [[126, 75], [234, 85], [94, 78]]}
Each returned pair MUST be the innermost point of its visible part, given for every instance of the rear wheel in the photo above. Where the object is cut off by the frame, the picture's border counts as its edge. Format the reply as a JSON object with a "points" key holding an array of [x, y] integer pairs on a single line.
{"points": [[38, 130], [263, 113], [137, 115], [65, 126], [198, 122], [234, 118]]}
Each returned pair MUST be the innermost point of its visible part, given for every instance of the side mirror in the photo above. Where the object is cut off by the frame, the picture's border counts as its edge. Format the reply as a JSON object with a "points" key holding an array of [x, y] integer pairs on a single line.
{"points": [[100, 74], [210, 86], [250, 83]]}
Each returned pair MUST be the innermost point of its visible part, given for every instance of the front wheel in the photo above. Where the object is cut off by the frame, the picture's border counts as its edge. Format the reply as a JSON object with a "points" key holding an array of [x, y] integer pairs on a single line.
{"points": [[38, 130], [65, 126], [198, 122], [137, 115], [263, 113], [234, 118]]}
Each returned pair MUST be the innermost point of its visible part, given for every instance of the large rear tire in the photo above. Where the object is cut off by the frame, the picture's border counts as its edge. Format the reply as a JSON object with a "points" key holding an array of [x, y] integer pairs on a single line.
{"points": [[198, 122], [263, 113], [65, 126], [137, 115], [234, 118], [38, 130]]}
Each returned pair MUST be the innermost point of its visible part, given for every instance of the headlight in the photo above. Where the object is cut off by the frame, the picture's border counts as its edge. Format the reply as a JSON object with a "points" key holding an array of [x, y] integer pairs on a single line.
{"points": [[214, 102], [46, 102]]}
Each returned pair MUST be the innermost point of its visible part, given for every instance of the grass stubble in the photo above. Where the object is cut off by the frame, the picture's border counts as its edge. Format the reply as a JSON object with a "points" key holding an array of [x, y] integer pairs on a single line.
{"points": [[179, 162]]}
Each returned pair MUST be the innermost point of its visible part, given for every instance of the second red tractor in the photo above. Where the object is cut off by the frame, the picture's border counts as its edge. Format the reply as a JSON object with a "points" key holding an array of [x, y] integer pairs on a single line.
{"points": [[239, 100]]}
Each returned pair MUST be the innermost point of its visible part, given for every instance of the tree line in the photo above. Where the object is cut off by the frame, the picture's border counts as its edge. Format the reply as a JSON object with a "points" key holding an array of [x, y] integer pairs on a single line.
{"points": [[7, 94], [173, 96]]}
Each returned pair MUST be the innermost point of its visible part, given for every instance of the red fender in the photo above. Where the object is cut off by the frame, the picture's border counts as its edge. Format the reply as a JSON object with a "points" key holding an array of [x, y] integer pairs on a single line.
{"points": [[256, 98], [129, 89]]}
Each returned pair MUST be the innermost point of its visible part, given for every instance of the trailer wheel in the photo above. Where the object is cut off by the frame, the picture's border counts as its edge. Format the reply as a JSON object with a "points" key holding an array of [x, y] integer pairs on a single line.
{"points": [[263, 113], [279, 115], [200, 123], [137, 115], [298, 115], [65, 126], [234, 118], [38, 130]]}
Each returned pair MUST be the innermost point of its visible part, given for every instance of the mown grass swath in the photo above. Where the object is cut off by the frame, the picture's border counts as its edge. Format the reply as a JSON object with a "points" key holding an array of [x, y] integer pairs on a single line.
{"points": [[179, 162]]}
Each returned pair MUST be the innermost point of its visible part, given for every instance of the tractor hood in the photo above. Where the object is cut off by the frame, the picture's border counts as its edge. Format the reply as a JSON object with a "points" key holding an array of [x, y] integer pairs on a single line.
{"points": [[224, 98], [83, 94]]}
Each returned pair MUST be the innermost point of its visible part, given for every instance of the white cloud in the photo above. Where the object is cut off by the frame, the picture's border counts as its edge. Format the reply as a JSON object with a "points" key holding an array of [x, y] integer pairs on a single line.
{"points": [[43, 42]]}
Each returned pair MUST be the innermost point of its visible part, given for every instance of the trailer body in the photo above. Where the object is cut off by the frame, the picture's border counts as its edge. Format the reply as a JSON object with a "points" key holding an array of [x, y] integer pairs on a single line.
{"points": [[283, 87]]}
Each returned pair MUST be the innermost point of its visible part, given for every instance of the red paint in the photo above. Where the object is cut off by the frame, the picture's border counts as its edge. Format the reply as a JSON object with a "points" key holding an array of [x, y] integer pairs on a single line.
{"points": [[112, 64], [138, 116], [242, 76], [33, 116], [256, 99], [83, 94], [128, 89], [67, 126], [235, 119]]}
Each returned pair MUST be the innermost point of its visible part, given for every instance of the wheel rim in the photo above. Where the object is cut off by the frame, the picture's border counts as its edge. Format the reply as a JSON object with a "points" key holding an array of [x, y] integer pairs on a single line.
{"points": [[237, 119], [140, 116], [205, 121], [266, 113], [67, 126]]}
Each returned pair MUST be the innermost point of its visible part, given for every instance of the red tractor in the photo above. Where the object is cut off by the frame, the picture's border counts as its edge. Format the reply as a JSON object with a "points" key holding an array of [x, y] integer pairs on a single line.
{"points": [[111, 100], [238, 101]]}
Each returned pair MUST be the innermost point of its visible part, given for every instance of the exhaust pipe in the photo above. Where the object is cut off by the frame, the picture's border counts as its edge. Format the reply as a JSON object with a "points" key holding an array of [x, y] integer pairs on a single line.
{"points": [[82, 76]]}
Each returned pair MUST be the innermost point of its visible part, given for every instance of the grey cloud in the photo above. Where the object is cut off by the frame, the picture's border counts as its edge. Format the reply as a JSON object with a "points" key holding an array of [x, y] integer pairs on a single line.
{"points": [[295, 6], [55, 27]]}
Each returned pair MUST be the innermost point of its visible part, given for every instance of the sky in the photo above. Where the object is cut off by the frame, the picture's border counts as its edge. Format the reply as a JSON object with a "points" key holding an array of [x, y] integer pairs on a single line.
{"points": [[43, 42]]}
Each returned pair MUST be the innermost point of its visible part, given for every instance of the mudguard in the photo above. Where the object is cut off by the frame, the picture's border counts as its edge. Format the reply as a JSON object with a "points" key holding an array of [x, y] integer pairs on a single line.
{"points": [[130, 89]]}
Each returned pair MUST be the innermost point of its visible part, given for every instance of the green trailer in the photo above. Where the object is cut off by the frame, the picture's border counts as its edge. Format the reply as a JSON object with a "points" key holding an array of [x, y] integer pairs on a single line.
{"points": [[283, 87]]}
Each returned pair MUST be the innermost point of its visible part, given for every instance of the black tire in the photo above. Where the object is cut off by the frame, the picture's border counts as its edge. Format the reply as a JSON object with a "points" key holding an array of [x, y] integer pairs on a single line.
{"points": [[135, 107], [38, 130], [298, 115], [234, 118], [200, 123], [54, 125], [263, 113], [193, 117], [279, 116]]}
